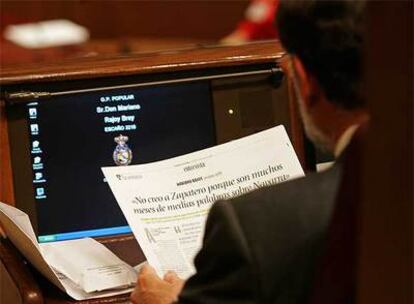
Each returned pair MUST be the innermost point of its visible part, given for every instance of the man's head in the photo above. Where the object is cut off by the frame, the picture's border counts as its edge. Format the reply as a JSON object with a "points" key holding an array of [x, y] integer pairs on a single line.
{"points": [[324, 42]]}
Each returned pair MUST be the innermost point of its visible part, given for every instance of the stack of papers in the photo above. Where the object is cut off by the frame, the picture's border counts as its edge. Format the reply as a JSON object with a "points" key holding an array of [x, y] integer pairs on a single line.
{"points": [[83, 268]]}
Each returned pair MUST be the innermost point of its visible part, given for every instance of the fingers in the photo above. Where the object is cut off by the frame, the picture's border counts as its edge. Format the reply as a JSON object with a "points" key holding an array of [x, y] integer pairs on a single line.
{"points": [[152, 289], [171, 277], [147, 269], [147, 278], [175, 282], [134, 298]]}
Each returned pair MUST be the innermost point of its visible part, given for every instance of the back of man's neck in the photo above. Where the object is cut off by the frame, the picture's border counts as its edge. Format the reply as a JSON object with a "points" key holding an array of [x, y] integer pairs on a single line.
{"points": [[348, 130], [344, 139]]}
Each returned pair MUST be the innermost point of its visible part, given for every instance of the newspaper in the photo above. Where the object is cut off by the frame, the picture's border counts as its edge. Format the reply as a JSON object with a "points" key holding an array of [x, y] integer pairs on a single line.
{"points": [[166, 203], [89, 264], [95, 272]]}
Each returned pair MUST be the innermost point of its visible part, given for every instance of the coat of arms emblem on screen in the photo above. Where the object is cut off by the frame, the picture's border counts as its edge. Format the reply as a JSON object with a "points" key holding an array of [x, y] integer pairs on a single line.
{"points": [[122, 154]]}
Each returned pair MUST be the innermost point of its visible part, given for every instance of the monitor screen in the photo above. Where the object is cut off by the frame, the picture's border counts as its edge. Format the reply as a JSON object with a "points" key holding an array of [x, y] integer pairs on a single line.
{"points": [[72, 136]]}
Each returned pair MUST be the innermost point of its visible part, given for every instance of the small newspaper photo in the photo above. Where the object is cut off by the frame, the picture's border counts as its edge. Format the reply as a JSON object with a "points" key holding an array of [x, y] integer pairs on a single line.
{"points": [[166, 203]]}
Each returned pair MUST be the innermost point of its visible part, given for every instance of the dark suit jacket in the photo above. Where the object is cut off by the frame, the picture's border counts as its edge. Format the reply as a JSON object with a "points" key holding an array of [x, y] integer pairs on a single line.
{"points": [[263, 247]]}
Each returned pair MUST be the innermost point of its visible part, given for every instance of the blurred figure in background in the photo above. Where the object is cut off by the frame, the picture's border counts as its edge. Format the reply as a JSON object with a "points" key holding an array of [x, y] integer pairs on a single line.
{"points": [[257, 25]]}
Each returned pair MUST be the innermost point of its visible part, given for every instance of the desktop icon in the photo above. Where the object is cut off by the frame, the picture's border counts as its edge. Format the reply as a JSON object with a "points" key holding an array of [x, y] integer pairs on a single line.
{"points": [[36, 147], [40, 191], [34, 128], [33, 113], [37, 161], [38, 175]]}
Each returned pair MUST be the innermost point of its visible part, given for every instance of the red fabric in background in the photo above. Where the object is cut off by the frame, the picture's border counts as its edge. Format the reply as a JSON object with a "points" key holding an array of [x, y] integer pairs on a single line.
{"points": [[264, 28]]}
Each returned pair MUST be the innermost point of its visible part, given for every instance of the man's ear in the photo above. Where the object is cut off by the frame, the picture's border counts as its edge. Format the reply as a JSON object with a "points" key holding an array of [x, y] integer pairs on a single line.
{"points": [[308, 86]]}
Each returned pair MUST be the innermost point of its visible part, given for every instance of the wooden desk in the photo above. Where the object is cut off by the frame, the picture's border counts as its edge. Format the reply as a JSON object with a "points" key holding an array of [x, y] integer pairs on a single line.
{"points": [[14, 56], [110, 70]]}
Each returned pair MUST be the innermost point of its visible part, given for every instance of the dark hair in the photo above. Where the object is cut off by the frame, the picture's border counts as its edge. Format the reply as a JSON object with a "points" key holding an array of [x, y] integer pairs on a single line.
{"points": [[327, 37]]}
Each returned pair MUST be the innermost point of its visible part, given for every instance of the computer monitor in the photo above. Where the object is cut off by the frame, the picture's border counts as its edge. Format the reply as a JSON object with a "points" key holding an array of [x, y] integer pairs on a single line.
{"points": [[59, 142], [65, 140]]}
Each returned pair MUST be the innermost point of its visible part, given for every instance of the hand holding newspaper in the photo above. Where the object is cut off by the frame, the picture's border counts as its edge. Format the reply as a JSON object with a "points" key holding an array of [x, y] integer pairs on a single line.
{"points": [[166, 203]]}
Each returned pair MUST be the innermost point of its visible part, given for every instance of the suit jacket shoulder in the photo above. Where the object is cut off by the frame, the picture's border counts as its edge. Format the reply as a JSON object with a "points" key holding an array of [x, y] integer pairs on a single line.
{"points": [[262, 247]]}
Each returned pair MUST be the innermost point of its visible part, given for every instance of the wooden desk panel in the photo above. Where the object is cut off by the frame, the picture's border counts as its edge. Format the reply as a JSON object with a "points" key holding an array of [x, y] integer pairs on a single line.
{"points": [[6, 181], [19, 277], [145, 63], [201, 19]]}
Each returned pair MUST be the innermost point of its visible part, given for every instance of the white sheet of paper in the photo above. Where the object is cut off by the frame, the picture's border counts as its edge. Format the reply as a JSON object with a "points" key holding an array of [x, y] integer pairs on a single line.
{"points": [[22, 220], [79, 294], [89, 264], [15, 225], [50, 33], [166, 202], [19, 230]]}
